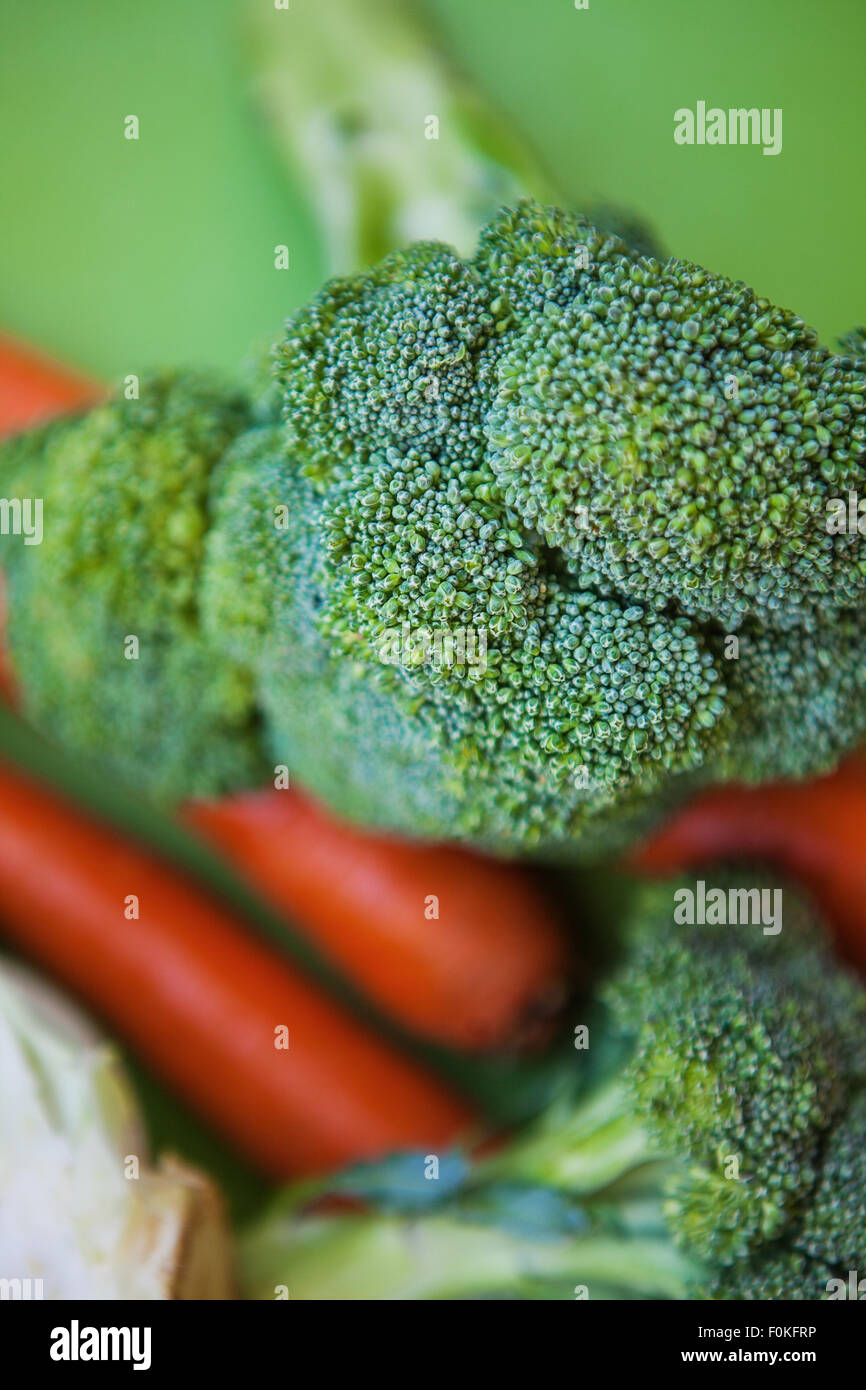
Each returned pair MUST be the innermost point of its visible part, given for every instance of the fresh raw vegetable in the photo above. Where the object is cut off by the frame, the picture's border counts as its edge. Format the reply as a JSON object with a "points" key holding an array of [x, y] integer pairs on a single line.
{"points": [[33, 390], [82, 1210], [815, 831], [293, 1081], [717, 1152], [498, 607], [125, 491], [456, 946]]}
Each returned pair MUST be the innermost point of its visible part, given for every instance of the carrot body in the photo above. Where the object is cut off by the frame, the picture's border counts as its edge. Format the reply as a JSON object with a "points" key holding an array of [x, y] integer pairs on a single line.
{"points": [[200, 999], [455, 945], [814, 830], [34, 389]]}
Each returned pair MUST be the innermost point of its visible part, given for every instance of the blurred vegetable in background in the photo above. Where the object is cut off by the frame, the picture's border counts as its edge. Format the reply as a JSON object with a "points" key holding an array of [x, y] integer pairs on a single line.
{"points": [[460, 948], [350, 90], [295, 1083], [81, 1208], [33, 388], [709, 1147]]}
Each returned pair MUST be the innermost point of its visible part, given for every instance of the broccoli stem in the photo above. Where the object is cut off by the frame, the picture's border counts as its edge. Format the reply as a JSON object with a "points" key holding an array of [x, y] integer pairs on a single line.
{"points": [[377, 1257], [349, 92], [579, 1150], [596, 1153]]}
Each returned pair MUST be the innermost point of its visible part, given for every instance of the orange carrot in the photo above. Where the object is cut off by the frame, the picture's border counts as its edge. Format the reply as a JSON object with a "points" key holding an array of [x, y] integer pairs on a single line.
{"points": [[455, 945], [34, 389], [190, 988]]}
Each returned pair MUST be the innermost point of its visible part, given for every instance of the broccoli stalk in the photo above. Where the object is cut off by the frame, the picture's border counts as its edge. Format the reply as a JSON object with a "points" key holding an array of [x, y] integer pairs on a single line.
{"points": [[718, 1154], [442, 1257], [348, 91]]}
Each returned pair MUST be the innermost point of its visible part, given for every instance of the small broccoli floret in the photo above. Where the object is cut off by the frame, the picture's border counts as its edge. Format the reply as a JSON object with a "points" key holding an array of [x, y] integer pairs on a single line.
{"points": [[105, 629], [716, 1154], [810, 678], [737, 1065], [748, 1068], [683, 438], [834, 1222], [387, 356]]}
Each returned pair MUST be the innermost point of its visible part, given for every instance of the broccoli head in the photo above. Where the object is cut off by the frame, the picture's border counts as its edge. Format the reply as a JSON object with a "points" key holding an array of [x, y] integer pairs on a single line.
{"points": [[105, 630], [717, 1151], [539, 546], [556, 549]]}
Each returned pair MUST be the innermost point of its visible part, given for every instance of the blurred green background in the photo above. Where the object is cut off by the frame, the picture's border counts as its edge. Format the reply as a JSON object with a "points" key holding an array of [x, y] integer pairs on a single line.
{"points": [[120, 254]]}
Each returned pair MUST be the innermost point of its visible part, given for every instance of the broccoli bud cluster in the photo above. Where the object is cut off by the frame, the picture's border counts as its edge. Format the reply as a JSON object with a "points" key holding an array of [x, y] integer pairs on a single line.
{"points": [[607, 464]]}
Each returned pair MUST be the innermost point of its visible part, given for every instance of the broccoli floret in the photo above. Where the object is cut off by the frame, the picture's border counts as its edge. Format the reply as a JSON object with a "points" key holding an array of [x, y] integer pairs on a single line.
{"points": [[833, 1228], [716, 1154], [681, 437], [105, 630], [429, 748], [736, 1067], [527, 519], [810, 679]]}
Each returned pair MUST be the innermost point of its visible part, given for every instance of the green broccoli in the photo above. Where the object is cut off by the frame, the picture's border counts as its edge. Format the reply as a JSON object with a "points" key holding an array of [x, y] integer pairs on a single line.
{"points": [[717, 1152], [104, 627], [540, 547], [557, 550]]}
